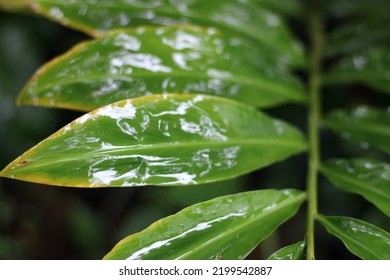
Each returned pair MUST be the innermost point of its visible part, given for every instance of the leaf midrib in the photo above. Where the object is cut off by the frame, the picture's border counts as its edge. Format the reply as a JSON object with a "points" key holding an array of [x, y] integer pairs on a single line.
{"points": [[170, 145], [371, 127], [281, 89]]}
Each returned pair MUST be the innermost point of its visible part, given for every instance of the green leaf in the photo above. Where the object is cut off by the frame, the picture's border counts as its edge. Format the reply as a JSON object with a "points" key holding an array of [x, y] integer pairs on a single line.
{"points": [[135, 63], [358, 36], [287, 7], [367, 125], [294, 251], [369, 10], [366, 177], [238, 18], [227, 227], [362, 239], [159, 140], [370, 67]]}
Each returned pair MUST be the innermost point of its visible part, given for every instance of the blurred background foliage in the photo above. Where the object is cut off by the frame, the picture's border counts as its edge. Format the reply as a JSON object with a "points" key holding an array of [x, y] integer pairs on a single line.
{"points": [[43, 222]]}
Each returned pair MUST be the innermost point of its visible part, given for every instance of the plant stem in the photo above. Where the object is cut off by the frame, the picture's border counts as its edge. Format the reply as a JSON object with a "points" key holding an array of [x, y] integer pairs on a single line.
{"points": [[14, 5], [317, 43]]}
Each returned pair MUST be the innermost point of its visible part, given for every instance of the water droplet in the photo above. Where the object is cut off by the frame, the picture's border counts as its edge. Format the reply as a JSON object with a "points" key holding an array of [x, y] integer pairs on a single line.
{"points": [[56, 12], [386, 174], [181, 60], [359, 62], [103, 177], [273, 205], [369, 165], [272, 20], [215, 73], [124, 110], [360, 112], [183, 40], [83, 10], [107, 88], [126, 41], [145, 61], [190, 127], [364, 145], [350, 169], [124, 20]]}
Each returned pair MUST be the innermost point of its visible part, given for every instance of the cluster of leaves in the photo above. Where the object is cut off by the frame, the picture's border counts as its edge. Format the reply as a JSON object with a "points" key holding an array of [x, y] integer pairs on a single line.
{"points": [[172, 91], [360, 46]]}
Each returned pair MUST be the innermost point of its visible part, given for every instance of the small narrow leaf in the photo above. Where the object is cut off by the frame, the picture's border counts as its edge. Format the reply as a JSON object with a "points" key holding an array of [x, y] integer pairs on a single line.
{"points": [[294, 251], [366, 125], [227, 227], [362, 239], [237, 17], [159, 140], [143, 61], [366, 177], [370, 67]]}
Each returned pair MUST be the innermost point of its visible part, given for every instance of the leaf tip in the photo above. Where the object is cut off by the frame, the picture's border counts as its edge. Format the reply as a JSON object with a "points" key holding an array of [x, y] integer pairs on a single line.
{"points": [[5, 174]]}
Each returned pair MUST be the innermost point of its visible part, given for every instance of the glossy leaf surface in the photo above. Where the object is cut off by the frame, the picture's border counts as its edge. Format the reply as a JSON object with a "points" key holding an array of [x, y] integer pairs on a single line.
{"points": [[362, 239], [159, 140], [227, 227], [366, 125], [236, 17], [370, 67], [366, 177], [144, 61], [294, 251]]}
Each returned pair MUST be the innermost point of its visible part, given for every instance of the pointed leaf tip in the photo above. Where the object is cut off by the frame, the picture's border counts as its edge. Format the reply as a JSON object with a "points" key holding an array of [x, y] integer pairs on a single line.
{"points": [[294, 251]]}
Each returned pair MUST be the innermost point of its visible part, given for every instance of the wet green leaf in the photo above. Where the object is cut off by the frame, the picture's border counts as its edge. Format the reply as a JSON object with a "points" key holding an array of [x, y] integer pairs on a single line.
{"points": [[135, 63], [294, 251], [370, 67], [358, 36], [227, 227], [362, 239], [370, 10], [366, 177], [159, 140], [236, 17], [366, 125]]}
